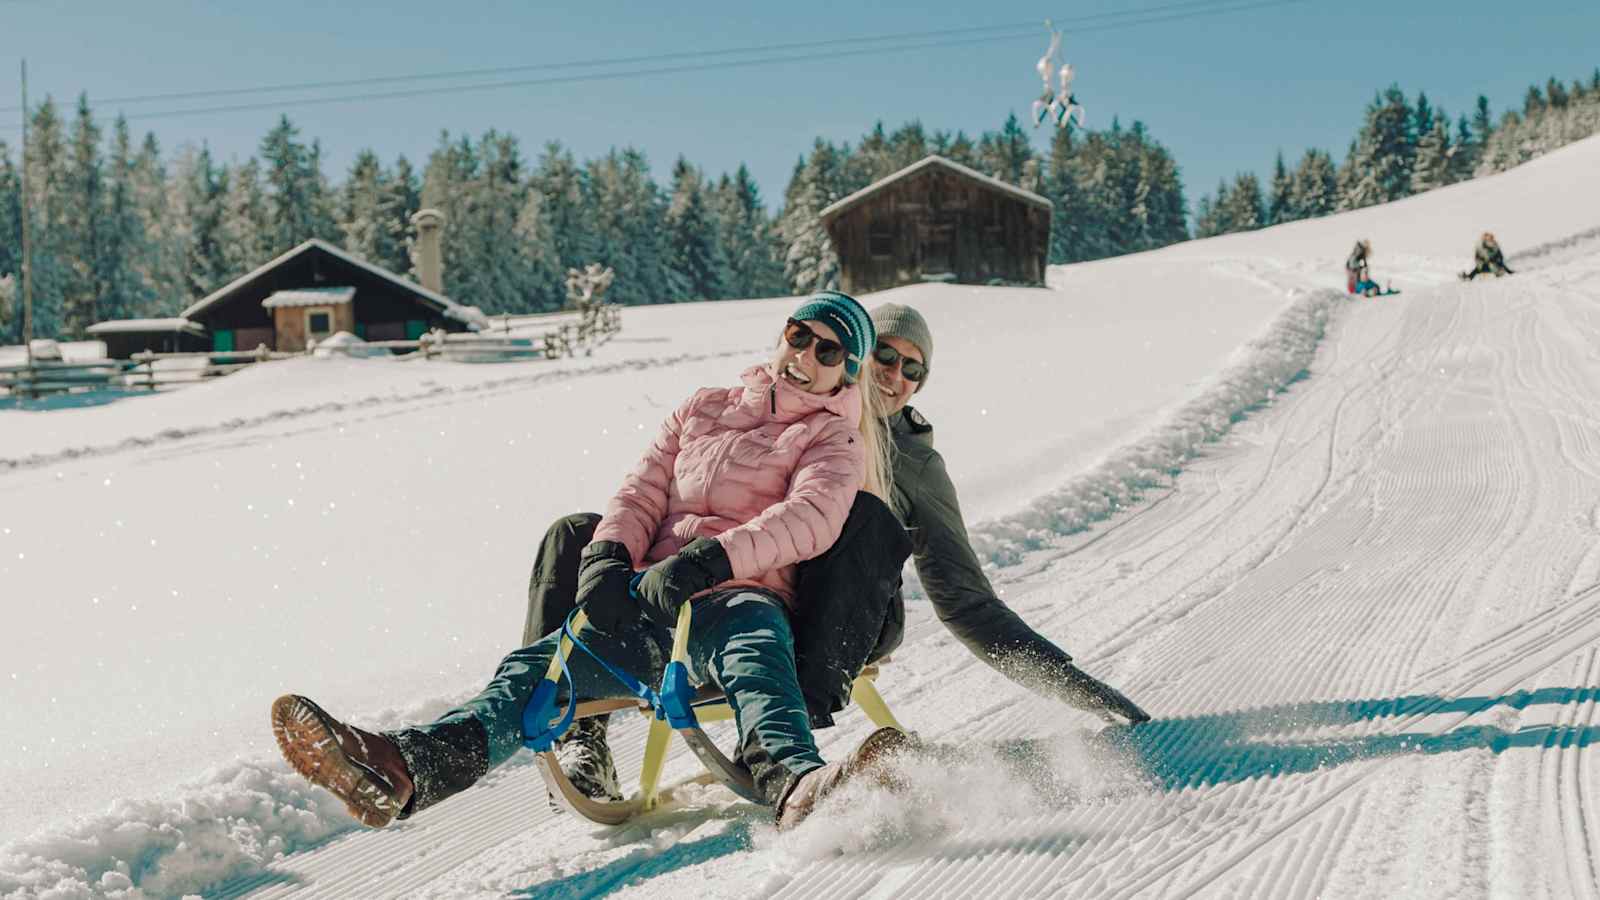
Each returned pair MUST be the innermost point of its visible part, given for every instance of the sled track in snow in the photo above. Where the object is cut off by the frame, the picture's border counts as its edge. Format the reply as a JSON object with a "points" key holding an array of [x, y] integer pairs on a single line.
{"points": [[1377, 604], [1435, 469], [420, 399]]}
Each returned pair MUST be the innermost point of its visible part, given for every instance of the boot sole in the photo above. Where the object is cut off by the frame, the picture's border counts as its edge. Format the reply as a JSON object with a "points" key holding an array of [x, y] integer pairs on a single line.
{"points": [[871, 759], [309, 745]]}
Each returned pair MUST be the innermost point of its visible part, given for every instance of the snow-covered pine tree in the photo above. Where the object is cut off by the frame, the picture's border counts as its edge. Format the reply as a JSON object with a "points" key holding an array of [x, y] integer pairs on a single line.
{"points": [[124, 290], [698, 262], [1467, 150], [1069, 214], [1205, 218], [957, 148], [1219, 218], [397, 203], [298, 201], [1358, 176], [747, 238], [1313, 189], [246, 221], [496, 192], [810, 263], [201, 188], [83, 247], [1169, 212], [561, 185], [872, 159], [1482, 127], [628, 215], [1423, 116], [1245, 207], [1005, 154], [361, 218], [10, 242], [1434, 153], [543, 276], [48, 174], [907, 145], [161, 266], [1394, 143], [1279, 207]]}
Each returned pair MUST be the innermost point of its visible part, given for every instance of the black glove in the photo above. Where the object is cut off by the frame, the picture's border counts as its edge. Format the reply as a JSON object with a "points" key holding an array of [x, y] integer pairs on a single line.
{"points": [[700, 565], [604, 571]]}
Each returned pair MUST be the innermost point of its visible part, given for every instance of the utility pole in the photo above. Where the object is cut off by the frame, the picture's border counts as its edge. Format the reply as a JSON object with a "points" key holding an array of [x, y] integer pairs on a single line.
{"points": [[27, 260]]}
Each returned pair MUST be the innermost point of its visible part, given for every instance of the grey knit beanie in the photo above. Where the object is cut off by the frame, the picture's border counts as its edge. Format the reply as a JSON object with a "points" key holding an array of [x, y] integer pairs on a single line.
{"points": [[905, 322]]}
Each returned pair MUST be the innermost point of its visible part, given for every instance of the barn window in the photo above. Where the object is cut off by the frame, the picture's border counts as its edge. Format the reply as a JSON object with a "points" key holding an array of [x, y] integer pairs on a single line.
{"points": [[880, 240], [319, 322]]}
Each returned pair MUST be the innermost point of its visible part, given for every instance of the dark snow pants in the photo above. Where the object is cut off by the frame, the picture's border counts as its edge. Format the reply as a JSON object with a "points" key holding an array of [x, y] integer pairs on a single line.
{"points": [[741, 643]]}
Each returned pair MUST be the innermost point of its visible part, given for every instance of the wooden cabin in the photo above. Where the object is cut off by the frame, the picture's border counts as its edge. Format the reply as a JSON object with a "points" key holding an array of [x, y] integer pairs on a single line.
{"points": [[937, 220], [125, 337], [317, 290]]}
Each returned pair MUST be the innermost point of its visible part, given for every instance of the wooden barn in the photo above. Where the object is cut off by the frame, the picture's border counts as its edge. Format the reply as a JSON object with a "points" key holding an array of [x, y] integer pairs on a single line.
{"points": [[317, 290], [937, 220]]}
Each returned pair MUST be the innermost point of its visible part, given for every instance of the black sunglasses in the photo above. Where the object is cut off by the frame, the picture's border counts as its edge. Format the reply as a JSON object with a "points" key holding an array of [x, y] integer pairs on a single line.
{"points": [[913, 370], [799, 335]]}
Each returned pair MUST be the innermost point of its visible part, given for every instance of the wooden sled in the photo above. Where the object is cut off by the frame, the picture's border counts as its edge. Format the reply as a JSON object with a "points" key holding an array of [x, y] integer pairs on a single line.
{"points": [[708, 705]]}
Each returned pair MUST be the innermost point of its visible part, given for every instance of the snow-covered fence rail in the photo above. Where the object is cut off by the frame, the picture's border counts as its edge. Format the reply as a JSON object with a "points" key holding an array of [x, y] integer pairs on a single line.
{"points": [[52, 376], [150, 370]]}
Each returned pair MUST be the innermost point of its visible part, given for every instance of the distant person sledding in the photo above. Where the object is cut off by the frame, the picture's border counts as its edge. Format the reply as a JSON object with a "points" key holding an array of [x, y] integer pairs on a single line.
{"points": [[1358, 279], [1487, 259]]}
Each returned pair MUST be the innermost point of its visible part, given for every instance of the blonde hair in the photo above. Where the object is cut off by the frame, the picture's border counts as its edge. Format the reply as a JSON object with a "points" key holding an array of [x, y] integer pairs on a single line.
{"points": [[875, 438]]}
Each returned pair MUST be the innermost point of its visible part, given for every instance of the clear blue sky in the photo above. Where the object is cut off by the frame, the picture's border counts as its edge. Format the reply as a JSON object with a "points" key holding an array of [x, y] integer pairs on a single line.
{"points": [[1224, 91]]}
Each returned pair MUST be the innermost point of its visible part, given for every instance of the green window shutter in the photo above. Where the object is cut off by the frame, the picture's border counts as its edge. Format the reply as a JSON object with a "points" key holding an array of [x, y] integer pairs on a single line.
{"points": [[222, 340], [415, 328]]}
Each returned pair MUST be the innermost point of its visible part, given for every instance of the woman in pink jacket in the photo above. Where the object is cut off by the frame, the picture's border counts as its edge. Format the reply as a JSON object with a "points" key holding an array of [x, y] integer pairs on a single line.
{"points": [[739, 486]]}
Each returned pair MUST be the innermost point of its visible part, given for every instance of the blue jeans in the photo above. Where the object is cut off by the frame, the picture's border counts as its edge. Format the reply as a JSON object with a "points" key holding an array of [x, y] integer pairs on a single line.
{"points": [[741, 642]]}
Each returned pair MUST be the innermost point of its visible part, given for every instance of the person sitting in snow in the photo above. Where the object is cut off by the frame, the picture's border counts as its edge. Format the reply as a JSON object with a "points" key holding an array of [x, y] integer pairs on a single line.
{"points": [[924, 499], [1358, 279], [1487, 259], [739, 485]]}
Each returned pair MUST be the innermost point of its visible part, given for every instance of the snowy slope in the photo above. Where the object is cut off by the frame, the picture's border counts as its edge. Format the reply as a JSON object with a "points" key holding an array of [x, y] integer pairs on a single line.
{"points": [[1333, 611]]}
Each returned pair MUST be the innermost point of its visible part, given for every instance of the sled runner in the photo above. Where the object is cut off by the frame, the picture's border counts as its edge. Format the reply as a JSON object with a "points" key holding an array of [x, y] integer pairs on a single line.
{"points": [[674, 706]]}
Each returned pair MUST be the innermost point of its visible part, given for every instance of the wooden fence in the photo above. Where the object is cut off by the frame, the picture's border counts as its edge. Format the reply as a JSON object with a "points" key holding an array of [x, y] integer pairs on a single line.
{"points": [[151, 371]]}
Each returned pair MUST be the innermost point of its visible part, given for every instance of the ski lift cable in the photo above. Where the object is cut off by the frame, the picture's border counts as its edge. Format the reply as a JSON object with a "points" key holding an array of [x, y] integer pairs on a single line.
{"points": [[1030, 33], [620, 60]]}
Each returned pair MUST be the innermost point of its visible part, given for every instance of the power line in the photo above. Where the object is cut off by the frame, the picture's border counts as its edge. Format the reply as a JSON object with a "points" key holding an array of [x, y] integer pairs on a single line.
{"points": [[627, 60], [1133, 19]]}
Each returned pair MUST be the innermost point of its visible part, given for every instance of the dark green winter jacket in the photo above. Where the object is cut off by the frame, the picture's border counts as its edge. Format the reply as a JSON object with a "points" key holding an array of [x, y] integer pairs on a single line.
{"points": [[925, 500]]}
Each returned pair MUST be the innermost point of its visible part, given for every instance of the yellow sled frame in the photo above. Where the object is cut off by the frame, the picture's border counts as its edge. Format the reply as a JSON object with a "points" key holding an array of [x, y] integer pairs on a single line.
{"points": [[719, 769]]}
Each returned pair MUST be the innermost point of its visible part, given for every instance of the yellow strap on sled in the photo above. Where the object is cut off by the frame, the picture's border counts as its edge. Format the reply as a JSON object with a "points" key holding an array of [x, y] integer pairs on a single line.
{"points": [[553, 673], [864, 694], [655, 743]]}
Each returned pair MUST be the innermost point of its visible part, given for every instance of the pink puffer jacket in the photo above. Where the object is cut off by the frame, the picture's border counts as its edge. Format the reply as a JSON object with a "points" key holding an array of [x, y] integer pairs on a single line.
{"points": [[767, 469]]}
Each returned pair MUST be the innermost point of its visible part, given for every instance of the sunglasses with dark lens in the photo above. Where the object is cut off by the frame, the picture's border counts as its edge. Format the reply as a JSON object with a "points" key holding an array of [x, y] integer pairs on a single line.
{"points": [[911, 369], [799, 335]]}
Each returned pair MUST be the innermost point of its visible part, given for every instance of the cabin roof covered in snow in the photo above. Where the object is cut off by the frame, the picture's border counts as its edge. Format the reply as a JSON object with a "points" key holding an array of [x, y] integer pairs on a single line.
{"points": [[143, 326], [443, 304], [928, 162], [317, 296]]}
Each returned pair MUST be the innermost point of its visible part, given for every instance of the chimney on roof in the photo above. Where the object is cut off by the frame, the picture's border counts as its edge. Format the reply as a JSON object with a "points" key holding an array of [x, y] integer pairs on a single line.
{"points": [[427, 258]]}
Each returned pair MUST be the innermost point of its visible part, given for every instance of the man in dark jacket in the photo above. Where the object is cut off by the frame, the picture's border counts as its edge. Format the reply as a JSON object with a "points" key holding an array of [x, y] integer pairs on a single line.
{"points": [[951, 574], [924, 501]]}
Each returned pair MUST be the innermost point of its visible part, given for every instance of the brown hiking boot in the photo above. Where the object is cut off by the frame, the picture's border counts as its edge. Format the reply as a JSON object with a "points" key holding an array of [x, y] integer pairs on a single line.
{"points": [[869, 759], [363, 769]]}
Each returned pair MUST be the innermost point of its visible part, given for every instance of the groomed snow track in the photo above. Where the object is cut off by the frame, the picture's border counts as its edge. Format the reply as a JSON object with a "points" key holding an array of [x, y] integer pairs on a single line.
{"points": [[1368, 622]]}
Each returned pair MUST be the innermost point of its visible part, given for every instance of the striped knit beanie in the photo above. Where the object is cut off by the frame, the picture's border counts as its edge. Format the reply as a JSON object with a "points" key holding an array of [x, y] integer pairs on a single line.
{"points": [[848, 319]]}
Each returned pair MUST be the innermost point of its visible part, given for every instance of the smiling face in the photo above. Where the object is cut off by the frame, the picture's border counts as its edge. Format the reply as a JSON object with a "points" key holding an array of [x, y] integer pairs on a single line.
{"points": [[800, 367], [896, 391]]}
